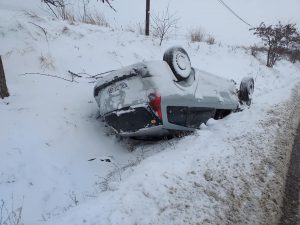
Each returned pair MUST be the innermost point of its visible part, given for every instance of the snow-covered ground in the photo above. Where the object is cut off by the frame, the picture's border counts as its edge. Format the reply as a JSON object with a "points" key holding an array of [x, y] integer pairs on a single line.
{"points": [[60, 162]]}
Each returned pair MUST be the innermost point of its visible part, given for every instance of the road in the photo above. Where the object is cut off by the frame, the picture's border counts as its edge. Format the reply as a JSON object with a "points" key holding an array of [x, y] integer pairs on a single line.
{"points": [[290, 208]]}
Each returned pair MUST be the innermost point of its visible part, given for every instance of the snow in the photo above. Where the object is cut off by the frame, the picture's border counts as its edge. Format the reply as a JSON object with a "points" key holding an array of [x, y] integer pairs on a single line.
{"points": [[54, 149]]}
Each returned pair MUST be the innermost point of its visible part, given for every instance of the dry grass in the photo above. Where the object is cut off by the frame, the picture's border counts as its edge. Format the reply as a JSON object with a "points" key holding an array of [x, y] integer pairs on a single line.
{"points": [[211, 40], [31, 14], [82, 14], [254, 50], [47, 62], [293, 55], [95, 18], [196, 35], [10, 215]]}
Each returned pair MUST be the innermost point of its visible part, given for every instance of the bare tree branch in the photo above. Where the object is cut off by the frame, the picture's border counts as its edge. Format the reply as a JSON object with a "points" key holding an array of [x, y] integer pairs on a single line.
{"points": [[109, 3], [52, 10], [59, 6], [43, 29], [48, 75], [60, 10], [163, 24]]}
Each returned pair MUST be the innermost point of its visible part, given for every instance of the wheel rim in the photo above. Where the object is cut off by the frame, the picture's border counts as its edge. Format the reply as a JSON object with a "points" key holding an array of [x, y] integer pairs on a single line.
{"points": [[183, 63]]}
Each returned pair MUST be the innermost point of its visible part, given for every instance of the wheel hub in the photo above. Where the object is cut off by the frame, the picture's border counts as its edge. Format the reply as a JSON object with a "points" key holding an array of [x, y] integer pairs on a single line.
{"points": [[181, 61]]}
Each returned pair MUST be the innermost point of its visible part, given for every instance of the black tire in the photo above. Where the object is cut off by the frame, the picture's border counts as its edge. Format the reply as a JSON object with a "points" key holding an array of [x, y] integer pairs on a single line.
{"points": [[246, 90], [179, 62]]}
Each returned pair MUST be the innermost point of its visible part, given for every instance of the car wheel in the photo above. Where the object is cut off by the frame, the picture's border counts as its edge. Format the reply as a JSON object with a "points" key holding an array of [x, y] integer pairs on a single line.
{"points": [[246, 90], [179, 62]]}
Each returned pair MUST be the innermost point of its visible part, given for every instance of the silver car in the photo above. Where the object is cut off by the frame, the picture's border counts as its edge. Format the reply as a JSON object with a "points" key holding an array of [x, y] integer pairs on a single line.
{"points": [[158, 98]]}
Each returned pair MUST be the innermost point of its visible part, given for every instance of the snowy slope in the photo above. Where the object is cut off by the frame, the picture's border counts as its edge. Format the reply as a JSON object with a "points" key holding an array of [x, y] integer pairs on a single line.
{"points": [[49, 130]]}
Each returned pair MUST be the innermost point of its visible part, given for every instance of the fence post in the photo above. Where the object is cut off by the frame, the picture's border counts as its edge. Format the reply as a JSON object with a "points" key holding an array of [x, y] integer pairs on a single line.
{"points": [[3, 88]]}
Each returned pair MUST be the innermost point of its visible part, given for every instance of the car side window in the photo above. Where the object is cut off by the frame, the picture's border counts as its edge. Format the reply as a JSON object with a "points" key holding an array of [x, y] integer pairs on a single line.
{"points": [[177, 115], [191, 117], [197, 116]]}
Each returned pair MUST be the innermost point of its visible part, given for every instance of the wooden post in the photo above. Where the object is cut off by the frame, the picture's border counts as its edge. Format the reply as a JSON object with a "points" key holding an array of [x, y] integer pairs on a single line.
{"points": [[147, 25], [3, 88]]}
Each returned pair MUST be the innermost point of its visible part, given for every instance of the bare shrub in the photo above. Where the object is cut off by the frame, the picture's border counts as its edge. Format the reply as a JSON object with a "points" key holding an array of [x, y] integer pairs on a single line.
{"points": [[294, 55], [210, 40], [196, 35], [65, 30], [46, 62], [10, 215], [73, 198], [254, 50], [95, 18], [62, 10], [69, 16], [164, 24], [277, 38], [57, 7]]}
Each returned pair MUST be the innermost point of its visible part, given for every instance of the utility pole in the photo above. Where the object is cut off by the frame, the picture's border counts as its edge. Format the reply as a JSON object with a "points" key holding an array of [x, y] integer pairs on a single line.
{"points": [[147, 25]]}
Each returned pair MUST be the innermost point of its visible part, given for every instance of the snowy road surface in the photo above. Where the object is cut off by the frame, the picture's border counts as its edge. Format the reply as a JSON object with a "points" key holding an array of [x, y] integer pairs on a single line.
{"points": [[290, 205]]}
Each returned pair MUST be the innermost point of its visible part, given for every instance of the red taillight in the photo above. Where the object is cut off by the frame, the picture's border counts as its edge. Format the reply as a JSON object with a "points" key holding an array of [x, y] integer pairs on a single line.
{"points": [[155, 104]]}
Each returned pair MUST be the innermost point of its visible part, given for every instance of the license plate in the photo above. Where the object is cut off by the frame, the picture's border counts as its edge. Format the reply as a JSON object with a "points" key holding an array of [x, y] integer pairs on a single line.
{"points": [[116, 87]]}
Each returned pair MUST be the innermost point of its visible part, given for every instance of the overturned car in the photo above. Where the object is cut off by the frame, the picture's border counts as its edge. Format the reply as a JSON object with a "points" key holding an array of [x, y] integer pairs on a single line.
{"points": [[159, 98]]}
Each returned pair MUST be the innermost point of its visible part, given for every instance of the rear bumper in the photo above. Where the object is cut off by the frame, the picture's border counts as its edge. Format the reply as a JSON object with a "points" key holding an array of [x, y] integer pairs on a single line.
{"points": [[134, 121], [154, 131]]}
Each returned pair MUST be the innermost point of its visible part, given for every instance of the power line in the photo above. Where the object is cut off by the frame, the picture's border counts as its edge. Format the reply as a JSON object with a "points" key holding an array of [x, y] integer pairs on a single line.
{"points": [[234, 13]]}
